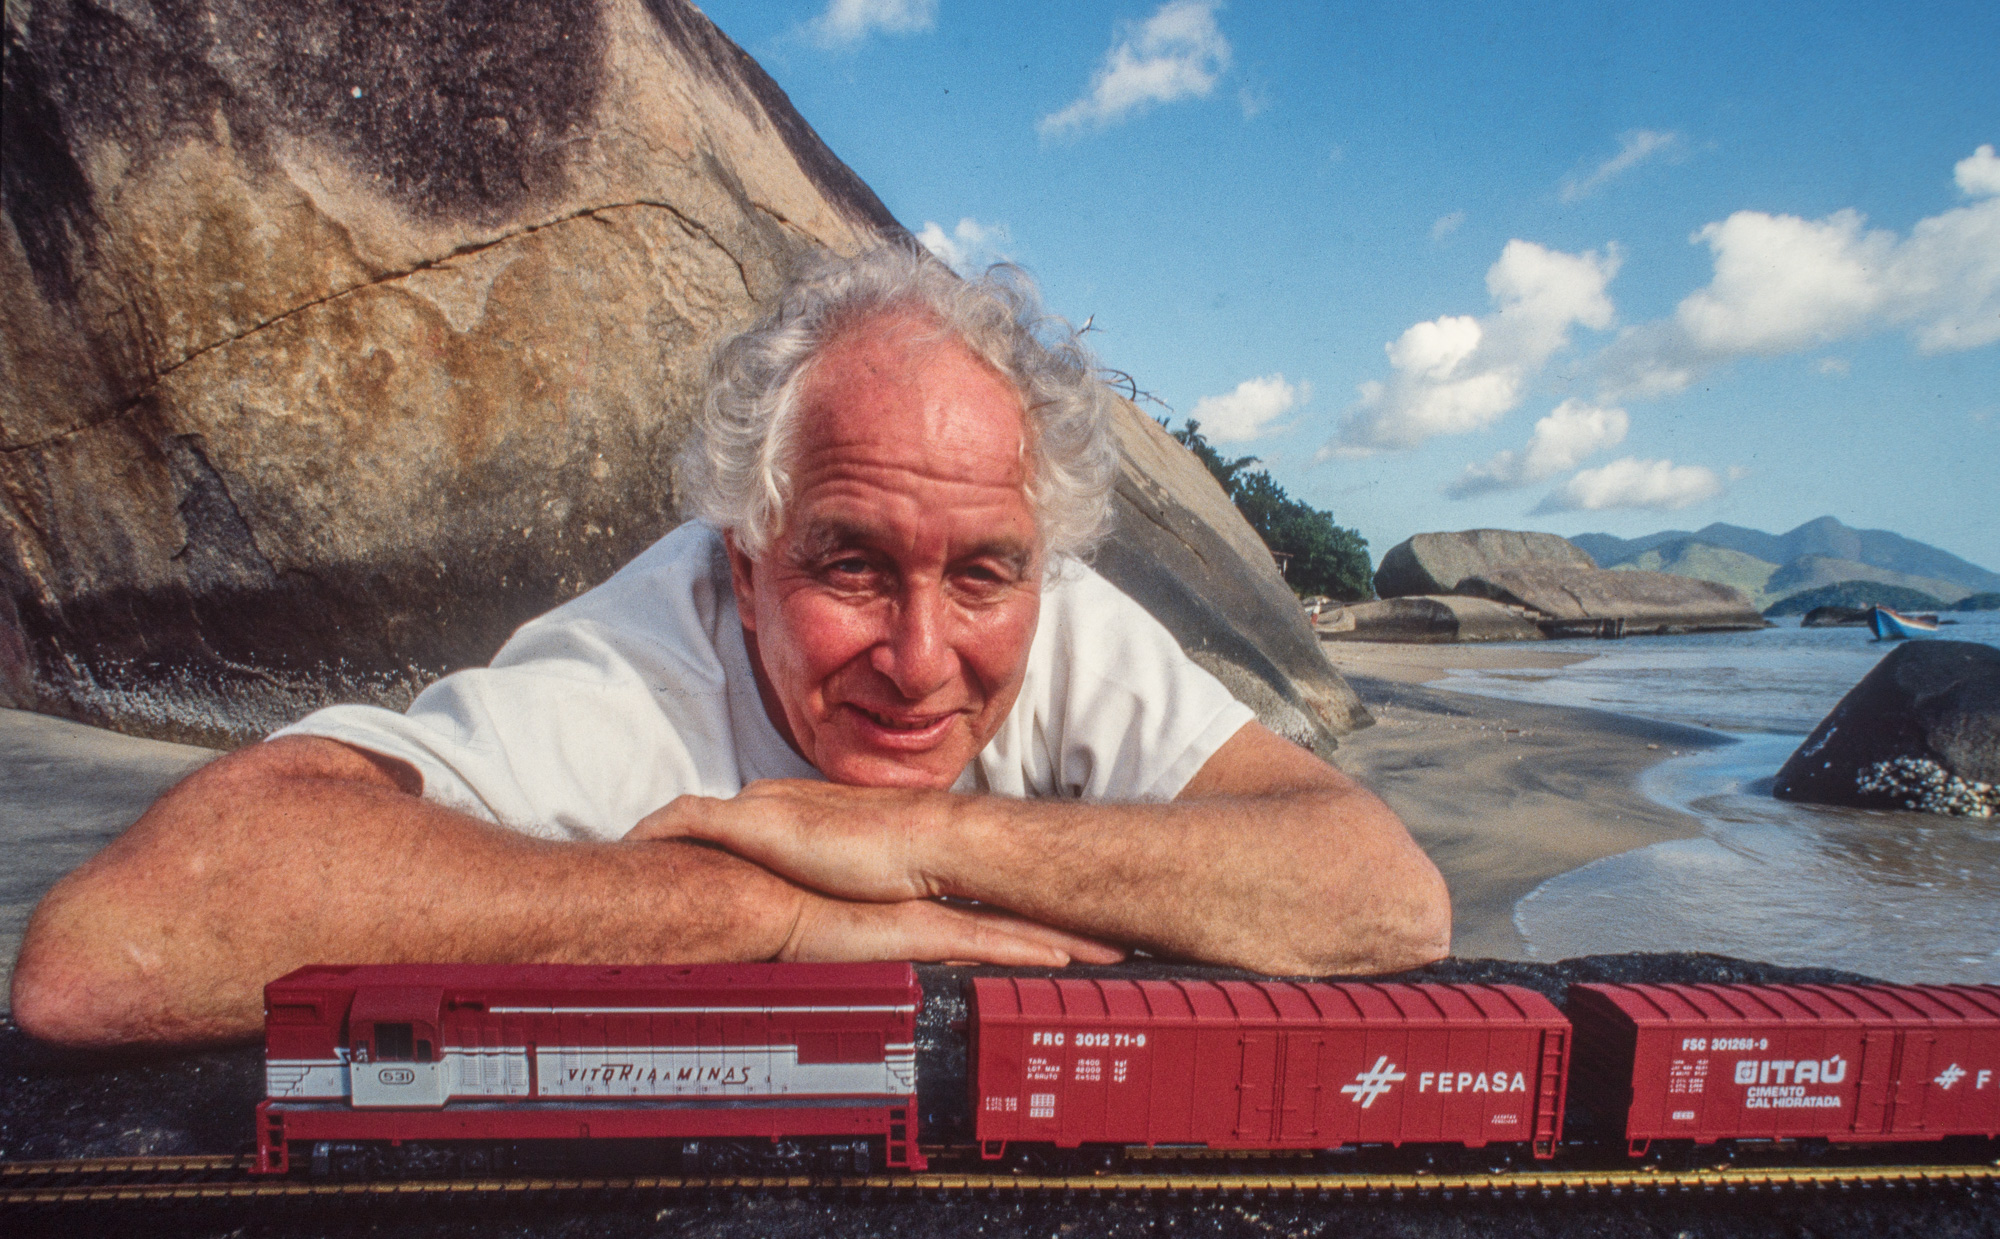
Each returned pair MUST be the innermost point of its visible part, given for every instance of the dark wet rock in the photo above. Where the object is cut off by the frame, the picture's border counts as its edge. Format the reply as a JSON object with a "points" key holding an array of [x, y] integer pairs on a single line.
{"points": [[1835, 617], [1928, 704], [1434, 563], [1183, 551], [1643, 602], [1427, 620]]}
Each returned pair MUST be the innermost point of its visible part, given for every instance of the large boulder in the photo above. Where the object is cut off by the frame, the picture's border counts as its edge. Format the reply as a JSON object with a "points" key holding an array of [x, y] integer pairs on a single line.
{"points": [[1640, 602], [1920, 731], [1434, 563], [340, 337], [1183, 551], [1427, 621]]}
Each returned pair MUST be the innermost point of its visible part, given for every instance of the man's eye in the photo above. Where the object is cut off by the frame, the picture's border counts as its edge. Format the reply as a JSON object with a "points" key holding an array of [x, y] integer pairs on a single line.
{"points": [[852, 565]]}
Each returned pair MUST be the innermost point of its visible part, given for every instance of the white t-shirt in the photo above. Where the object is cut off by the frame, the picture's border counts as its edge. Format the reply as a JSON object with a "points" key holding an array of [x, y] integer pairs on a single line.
{"points": [[611, 705]]}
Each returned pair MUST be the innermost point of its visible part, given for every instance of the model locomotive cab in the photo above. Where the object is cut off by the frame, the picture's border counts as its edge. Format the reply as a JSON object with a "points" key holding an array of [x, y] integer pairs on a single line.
{"points": [[468, 1060]]}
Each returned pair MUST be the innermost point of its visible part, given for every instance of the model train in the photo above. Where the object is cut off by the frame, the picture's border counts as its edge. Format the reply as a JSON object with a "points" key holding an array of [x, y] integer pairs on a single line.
{"points": [[468, 1069]]}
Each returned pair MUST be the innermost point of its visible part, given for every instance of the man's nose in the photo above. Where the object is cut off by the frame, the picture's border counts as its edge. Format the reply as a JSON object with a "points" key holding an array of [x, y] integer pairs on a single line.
{"points": [[914, 654]]}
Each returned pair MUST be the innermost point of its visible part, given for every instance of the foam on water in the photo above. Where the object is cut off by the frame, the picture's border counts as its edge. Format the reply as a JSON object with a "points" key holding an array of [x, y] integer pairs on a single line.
{"points": [[1903, 896]]}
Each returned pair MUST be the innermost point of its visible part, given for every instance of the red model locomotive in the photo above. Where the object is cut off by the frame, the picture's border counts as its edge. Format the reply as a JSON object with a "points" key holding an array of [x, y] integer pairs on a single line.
{"points": [[447, 1069]]}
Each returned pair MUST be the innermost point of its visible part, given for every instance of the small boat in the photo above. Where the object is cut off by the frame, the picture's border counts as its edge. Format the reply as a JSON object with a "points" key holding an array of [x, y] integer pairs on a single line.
{"points": [[1889, 624]]}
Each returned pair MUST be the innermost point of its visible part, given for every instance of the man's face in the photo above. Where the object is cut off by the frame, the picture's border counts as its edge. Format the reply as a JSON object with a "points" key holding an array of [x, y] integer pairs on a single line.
{"points": [[890, 618]]}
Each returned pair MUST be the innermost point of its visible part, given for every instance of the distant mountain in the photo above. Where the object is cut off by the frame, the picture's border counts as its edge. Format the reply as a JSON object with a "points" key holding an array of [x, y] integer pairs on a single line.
{"points": [[1813, 571], [1876, 548]]}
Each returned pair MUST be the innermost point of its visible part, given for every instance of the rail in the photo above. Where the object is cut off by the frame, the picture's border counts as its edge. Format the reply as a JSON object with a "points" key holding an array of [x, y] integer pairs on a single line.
{"points": [[107, 1181]]}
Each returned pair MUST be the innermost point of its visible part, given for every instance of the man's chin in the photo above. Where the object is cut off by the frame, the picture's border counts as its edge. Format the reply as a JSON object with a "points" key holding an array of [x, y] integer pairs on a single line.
{"points": [[937, 773]]}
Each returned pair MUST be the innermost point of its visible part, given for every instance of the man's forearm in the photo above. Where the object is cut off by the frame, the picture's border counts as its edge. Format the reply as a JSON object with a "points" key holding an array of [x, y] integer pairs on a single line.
{"points": [[1269, 859], [254, 867], [1303, 882]]}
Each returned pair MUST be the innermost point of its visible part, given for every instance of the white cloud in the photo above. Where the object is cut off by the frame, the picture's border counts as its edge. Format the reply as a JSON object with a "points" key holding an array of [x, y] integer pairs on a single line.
{"points": [[1176, 53], [1978, 174], [1458, 374], [1783, 284], [1571, 433], [1834, 366], [1446, 225], [1243, 413], [847, 22], [1634, 148], [1660, 485], [969, 247]]}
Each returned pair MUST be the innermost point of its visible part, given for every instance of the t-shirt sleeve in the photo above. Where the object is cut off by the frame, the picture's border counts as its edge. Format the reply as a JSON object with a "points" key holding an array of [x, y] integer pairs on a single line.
{"points": [[564, 739], [589, 718], [1112, 709]]}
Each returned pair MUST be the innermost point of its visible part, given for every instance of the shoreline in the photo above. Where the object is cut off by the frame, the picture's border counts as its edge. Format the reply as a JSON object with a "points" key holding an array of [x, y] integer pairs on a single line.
{"points": [[1503, 795]]}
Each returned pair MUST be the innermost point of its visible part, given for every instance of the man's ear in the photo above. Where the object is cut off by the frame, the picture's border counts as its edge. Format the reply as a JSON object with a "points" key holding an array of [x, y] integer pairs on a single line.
{"points": [[742, 580]]}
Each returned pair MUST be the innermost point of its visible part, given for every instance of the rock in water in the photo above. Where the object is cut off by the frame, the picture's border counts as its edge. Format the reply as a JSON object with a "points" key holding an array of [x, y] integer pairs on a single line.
{"points": [[1835, 617], [1427, 621], [339, 338], [1434, 563], [1645, 602], [1920, 731]]}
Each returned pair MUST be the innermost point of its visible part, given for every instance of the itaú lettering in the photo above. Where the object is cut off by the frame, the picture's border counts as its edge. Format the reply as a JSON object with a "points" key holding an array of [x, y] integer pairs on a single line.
{"points": [[1791, 1071], [1471, 1082]]}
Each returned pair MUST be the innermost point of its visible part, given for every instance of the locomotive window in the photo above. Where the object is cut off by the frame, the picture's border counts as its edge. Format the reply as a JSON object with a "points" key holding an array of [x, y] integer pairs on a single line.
{"points": [[394, 1042]]}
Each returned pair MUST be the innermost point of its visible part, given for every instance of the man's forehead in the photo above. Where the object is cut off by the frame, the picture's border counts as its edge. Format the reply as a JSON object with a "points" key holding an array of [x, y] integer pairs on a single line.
{"points": [[903, 390]]}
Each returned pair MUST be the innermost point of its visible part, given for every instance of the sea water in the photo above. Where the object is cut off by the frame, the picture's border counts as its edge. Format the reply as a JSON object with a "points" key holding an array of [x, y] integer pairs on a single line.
{"points": [[1901, 896]]}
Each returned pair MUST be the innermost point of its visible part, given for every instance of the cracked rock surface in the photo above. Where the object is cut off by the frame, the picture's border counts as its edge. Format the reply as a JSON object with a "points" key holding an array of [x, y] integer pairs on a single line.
{"points": [[342, 337]]}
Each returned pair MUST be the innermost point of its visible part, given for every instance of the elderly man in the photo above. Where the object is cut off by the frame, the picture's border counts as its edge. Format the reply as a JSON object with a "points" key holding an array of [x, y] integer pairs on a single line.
{"points": [[870, 706]]}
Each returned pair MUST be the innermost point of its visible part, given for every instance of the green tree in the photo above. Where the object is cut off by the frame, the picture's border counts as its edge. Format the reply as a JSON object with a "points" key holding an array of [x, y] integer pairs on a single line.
{"points": [[1325, 557]]}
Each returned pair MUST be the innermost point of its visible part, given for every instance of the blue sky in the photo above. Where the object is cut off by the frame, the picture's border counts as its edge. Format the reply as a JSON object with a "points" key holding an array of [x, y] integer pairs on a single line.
{"points": [[1568, 266]]}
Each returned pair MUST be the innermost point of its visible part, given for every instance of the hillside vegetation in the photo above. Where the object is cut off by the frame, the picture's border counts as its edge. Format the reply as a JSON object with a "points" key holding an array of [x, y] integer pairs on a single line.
{"points": [[1816, 571], [1855, 594], [1708, 563]]}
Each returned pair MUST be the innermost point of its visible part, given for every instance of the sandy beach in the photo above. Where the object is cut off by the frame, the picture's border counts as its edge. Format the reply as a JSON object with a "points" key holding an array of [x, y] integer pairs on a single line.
{"points": [[1502, 795]]}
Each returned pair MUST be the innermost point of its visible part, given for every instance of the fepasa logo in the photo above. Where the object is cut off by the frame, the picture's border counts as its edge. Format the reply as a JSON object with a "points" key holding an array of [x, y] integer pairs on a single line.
{"points": [[1372, 1083]]}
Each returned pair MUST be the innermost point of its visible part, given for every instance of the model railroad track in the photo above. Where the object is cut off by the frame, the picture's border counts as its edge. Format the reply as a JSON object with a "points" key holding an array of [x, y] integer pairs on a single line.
{"points": [[195, 1180]]}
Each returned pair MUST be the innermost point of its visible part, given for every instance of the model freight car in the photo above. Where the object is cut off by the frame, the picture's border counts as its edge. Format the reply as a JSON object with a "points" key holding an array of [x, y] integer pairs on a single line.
{"points": [[1263, 1065], [455, 1062], [1841, 1063]]}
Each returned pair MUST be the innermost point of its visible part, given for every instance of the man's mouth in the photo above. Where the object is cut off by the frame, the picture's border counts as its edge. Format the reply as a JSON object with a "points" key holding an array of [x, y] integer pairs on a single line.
{"points": [[900, 730]]}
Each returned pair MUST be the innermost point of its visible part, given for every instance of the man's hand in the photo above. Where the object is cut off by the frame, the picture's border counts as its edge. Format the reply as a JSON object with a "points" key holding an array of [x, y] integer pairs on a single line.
{"points": [[863, 843]]}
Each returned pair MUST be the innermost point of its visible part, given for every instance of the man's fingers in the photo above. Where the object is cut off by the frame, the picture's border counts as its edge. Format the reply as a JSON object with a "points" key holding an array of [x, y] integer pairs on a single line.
{"points": [[1079, 948]]}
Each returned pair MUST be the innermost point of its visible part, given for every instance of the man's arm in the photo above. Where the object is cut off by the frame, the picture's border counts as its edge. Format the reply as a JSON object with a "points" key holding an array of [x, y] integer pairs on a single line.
{"points": [[1269, 859], [304, 850]]}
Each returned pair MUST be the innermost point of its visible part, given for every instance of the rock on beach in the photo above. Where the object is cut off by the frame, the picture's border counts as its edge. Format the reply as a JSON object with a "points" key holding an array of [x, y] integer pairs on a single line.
{"points": [[1920, 731], [1435, 563]]}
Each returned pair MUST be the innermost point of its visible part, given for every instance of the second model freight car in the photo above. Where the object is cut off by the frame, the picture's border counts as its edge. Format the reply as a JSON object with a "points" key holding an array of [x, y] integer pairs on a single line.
{"points": [[469, 1058], [1842, 1063], [1263, 1065]]}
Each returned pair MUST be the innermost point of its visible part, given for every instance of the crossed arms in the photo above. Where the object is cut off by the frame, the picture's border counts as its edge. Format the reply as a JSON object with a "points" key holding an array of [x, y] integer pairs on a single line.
{"points": [[306, 850]]}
